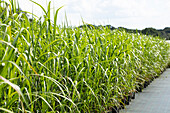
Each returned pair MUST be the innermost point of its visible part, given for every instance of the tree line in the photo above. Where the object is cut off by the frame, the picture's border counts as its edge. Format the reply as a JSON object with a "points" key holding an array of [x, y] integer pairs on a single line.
{"points": [[163, 33]]}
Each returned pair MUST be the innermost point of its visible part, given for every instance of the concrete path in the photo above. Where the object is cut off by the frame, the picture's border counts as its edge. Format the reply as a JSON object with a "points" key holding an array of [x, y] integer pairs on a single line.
{"points": [[154, 99]]}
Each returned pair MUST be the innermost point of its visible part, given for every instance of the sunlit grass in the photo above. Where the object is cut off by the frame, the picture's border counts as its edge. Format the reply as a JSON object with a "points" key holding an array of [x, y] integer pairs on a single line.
{"points": [[45, 67]]}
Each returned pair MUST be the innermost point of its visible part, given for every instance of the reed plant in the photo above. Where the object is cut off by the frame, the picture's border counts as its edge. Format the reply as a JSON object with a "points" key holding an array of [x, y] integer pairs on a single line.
{"points": [[46, 67]]}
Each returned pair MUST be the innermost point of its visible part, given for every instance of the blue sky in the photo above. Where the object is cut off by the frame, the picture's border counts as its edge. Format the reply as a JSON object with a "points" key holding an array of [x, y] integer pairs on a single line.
{"points": [[126, 13]]}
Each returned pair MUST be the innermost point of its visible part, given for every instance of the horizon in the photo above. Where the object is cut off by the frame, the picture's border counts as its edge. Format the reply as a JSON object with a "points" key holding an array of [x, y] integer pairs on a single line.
{"points": [[132, 14]]}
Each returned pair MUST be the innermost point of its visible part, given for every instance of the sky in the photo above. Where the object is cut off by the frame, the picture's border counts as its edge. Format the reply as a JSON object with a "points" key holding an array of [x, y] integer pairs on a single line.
{"points": [[134, 14]]}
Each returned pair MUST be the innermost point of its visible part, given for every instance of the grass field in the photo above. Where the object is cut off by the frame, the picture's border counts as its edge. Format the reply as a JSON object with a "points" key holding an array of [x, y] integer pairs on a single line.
{"points": [[46, 67]]}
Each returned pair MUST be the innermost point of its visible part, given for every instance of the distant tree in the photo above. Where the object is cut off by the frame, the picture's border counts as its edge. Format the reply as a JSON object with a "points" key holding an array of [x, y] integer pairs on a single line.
{"points": [[110, 27], [167, 29], [150, 31]]}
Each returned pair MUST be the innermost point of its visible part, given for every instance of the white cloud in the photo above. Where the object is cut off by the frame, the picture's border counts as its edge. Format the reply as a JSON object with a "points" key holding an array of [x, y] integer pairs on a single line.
{"points": [[128, 13]]}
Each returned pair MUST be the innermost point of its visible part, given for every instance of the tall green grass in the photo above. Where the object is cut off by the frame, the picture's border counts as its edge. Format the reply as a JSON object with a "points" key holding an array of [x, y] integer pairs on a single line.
{"points": [[46, 67]]}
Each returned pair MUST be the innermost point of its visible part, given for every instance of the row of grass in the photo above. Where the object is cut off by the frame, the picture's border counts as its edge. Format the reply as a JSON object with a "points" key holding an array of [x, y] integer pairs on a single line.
{"points": [[45, 67]]}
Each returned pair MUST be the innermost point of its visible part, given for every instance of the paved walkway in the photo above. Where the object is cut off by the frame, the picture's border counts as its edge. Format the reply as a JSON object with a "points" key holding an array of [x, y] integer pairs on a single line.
{"points": [[154, 99]]}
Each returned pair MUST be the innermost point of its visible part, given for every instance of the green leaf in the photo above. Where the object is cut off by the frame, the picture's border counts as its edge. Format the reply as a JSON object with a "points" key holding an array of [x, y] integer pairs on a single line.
{"points": [[39, 6], [6, 110]]}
